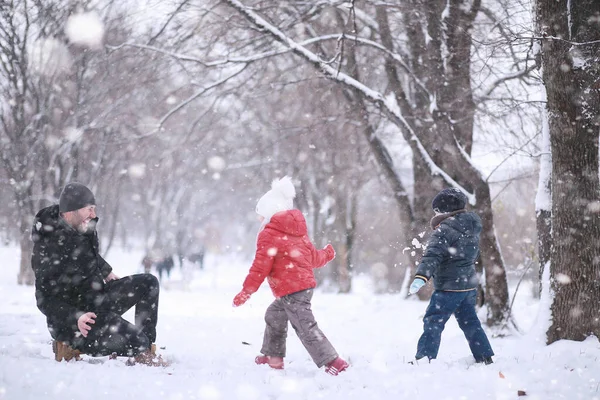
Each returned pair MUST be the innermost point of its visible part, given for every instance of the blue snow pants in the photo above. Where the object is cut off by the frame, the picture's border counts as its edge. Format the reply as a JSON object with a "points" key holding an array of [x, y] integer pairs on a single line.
{"points": [[441, 307]]}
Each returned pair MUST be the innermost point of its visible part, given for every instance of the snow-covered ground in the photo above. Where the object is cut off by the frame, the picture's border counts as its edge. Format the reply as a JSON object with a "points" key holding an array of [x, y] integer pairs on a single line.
{"points": [[204, 337]]}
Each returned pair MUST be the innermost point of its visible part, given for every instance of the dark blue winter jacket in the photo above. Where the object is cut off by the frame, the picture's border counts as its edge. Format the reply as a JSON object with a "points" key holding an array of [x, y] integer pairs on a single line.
{"points": [[451, 253]]}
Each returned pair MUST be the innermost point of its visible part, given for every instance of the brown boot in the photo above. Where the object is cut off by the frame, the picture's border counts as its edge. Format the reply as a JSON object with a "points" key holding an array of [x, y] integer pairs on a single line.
{"points": [[63, 351]]}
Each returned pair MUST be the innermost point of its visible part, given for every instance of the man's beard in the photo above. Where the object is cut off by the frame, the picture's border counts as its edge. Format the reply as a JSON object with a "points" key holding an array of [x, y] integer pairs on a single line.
{"points": [[87, 227]]}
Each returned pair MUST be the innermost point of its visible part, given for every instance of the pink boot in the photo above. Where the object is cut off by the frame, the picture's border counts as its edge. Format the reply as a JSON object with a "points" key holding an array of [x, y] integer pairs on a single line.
{"points": [[336, 366], [274, 362]]}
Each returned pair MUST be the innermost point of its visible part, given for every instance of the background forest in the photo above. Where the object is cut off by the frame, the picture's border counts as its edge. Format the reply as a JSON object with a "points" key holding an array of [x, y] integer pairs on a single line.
{"points": [[178, 114]]}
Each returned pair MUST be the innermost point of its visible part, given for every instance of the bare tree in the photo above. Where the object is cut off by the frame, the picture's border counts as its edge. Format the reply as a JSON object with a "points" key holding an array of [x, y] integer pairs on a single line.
{"points": [[30, 113], [64, 108], [442, 138]]}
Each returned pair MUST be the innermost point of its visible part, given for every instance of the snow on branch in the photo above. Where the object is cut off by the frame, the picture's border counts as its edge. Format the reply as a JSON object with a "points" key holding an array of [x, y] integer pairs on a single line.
{"points": [[590, 43], [260, 56], [385, 104], [178, 56]]}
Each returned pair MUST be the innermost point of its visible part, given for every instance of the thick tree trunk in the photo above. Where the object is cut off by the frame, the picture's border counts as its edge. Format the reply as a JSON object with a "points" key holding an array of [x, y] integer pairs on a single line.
{"points": [[496, 287], [571, 75]]}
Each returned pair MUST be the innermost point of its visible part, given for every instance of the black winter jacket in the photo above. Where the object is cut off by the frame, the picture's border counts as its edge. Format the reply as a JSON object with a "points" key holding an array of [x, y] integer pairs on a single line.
{"points": [[451, 253], [69, 272]]}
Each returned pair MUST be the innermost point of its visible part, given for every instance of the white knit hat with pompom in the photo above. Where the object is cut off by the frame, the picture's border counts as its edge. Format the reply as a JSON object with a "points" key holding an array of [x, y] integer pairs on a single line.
{"points": [[279, 198]]}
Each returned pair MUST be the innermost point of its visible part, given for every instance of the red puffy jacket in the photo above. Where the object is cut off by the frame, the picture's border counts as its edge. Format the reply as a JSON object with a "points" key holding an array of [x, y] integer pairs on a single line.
{"points": [[286, 256]]}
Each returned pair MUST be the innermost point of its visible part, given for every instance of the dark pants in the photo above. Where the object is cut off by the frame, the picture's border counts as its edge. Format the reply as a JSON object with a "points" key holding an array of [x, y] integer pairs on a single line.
{"points": [[441, 307], [295, 308], [113, 334]]}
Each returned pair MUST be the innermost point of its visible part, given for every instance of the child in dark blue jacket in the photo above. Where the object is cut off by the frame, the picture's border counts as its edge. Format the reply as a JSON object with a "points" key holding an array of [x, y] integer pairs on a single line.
{"points": [[450, 259]]}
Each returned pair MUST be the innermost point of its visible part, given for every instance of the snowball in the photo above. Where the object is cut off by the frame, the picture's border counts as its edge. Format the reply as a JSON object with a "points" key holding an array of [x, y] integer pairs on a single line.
{"points": [[216, 163], [72, 133], [52, 142], [137, 170], [594, 206], [85, 29], [563, 279]]}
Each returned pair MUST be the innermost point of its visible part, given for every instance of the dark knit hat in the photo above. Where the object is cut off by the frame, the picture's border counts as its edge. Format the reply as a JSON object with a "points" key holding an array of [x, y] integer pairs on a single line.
{"points": [[75, 196], [449, 200]]}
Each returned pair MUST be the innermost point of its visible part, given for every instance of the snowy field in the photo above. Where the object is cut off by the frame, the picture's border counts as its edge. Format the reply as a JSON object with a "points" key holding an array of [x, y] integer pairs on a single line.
{"points": [[203, 335]]}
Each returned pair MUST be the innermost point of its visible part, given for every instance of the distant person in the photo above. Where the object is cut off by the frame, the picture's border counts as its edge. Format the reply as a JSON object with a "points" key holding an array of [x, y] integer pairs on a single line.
{"points": [[197, 258], [164, 266], [450, 259], [81, 297], [147, 263], [286, 257]]}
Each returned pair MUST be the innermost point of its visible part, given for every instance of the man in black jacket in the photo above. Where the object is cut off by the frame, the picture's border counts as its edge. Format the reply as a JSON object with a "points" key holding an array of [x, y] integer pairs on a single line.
{"points": [[76, 290], [450, 260]]}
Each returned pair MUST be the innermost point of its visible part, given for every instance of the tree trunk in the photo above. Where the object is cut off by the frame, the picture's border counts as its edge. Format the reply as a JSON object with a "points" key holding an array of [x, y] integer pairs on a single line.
{"points": [[395, 276], [25, 276], [543, 204], [571, 75], [496, 286], [345, 263], [343, 250]]}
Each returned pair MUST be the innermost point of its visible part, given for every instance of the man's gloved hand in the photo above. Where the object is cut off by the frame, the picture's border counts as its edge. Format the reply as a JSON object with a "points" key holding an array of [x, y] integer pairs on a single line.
{"points": [[416, 285], [241, 298]]}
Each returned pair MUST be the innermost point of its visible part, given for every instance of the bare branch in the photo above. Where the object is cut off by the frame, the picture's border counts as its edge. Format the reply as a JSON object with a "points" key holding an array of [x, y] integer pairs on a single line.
{"points": [[506, 78], [187, 101], [387, 105]]}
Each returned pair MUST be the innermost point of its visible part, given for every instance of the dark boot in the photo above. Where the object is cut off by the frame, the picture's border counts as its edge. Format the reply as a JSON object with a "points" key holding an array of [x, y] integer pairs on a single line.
{"points": [[416, 360], [486, 361]]}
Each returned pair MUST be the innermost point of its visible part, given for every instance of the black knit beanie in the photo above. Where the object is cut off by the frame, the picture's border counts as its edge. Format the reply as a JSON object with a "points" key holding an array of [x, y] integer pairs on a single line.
{"points": [[449, 200], [75, 196]]}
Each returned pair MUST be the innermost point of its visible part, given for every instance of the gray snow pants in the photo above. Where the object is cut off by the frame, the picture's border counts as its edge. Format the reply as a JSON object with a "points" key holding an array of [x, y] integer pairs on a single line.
{"points": [[295, 308]]}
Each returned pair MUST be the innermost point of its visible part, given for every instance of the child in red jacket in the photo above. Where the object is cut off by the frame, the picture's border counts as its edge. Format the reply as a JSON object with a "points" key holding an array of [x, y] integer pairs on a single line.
{"points": [[285, 256]]}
